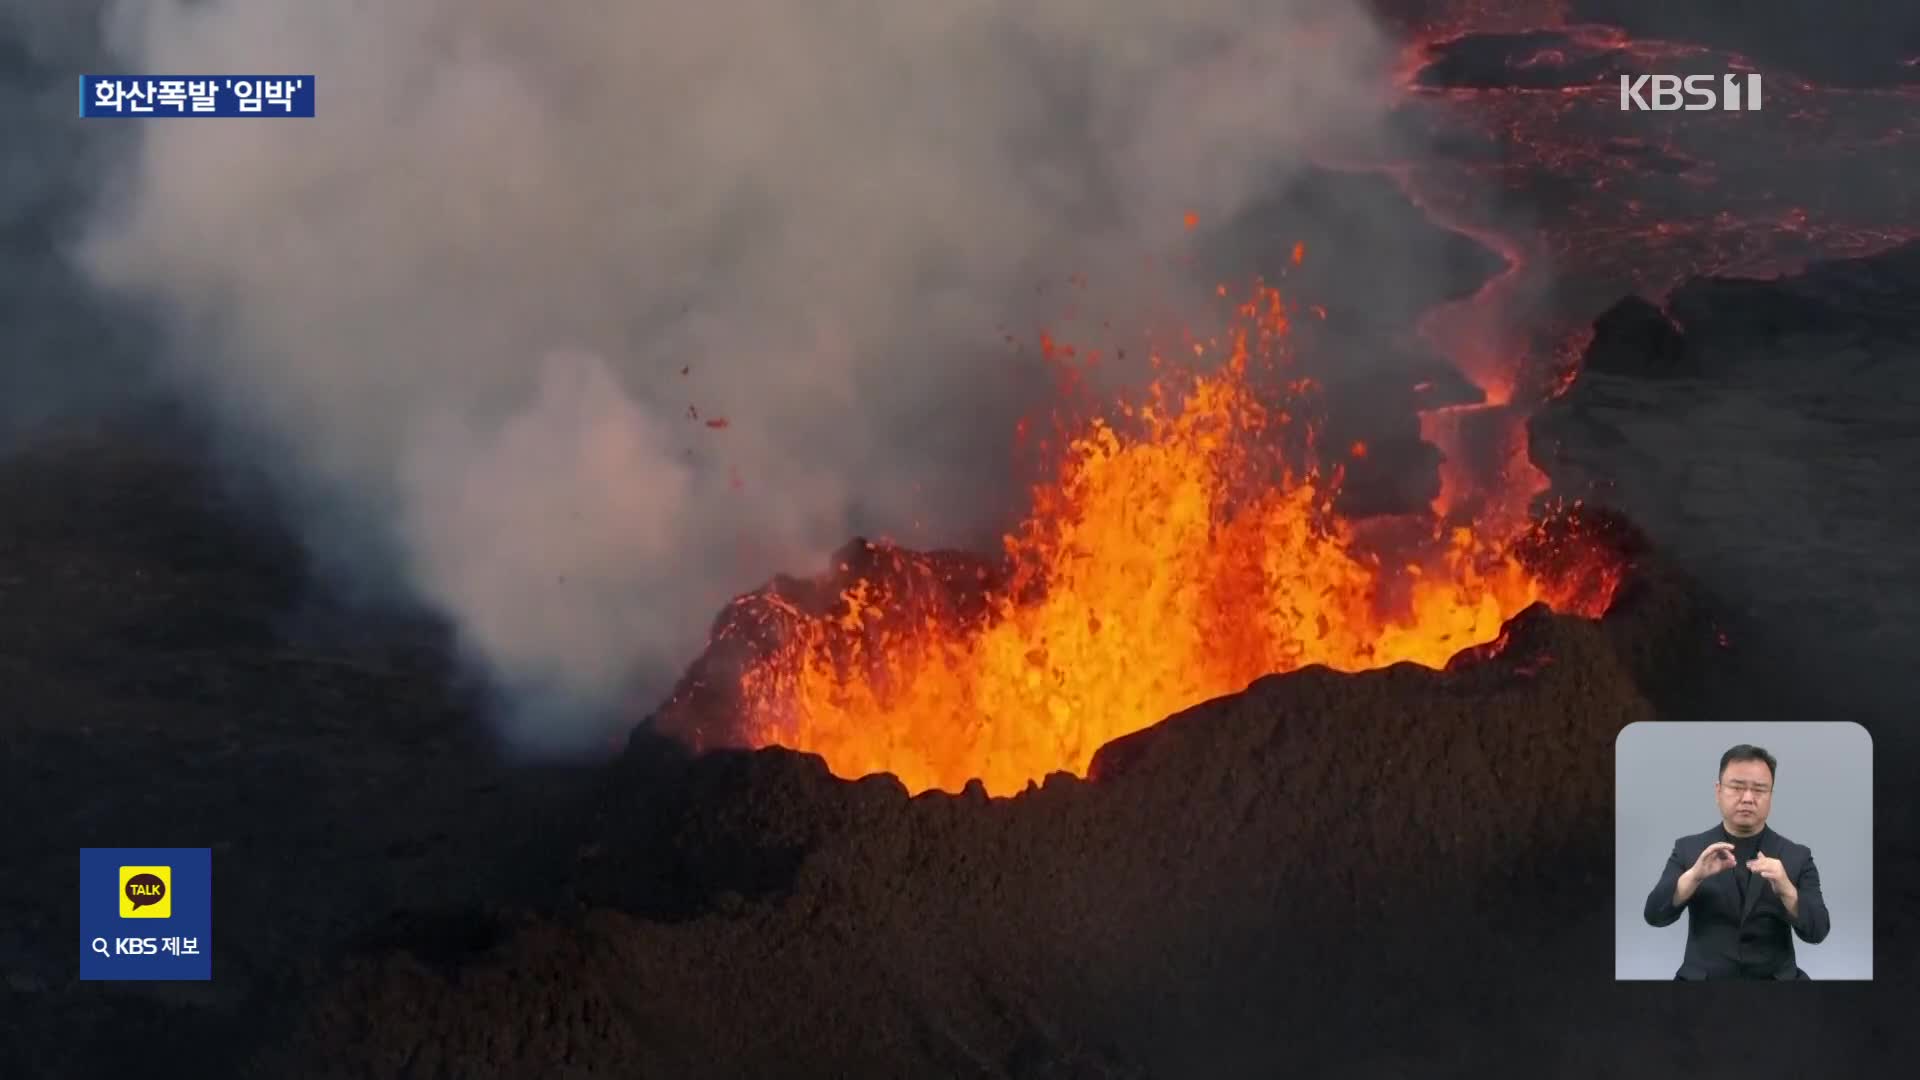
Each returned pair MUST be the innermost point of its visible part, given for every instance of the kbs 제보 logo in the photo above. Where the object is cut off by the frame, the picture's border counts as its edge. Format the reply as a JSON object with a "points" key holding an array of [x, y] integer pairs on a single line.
{"points": [[146, 913]]}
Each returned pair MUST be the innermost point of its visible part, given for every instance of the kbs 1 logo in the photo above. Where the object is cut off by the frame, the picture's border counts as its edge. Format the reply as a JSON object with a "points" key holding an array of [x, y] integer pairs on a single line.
{"points": [[1666, 93]]}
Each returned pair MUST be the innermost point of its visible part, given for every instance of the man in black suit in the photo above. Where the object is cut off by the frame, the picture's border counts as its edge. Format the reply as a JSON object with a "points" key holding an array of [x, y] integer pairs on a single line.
{"points": [[1742, 885]]}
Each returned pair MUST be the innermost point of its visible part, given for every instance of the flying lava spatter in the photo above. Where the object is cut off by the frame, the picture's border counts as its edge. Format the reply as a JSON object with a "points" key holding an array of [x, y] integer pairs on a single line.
{"points": [[1185, 547], [1189, 544]]}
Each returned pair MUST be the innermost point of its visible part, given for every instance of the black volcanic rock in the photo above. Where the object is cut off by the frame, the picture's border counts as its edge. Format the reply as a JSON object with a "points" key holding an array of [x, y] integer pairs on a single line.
{"points": [[1782, 472], [1865, 43], [1634, 337], [1869, 297], [1132, 924], [1531, 60]]}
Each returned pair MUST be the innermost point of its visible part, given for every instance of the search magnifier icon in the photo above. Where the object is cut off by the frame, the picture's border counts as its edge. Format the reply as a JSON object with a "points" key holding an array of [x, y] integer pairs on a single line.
{"points": [[100, 946]]}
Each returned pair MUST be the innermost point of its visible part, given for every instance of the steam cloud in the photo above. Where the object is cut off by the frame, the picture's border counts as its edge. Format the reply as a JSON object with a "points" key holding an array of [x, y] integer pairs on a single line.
{"points": [[458, 303]]}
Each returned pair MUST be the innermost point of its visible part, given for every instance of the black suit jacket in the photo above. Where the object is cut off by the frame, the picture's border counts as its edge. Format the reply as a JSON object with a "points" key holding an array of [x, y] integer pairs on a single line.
{"points": [[1722, 930]]}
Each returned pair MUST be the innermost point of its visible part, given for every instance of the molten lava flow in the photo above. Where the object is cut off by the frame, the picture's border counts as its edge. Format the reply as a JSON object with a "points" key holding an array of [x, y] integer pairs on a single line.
{"points": [[1662, 196], [1186, 547]]}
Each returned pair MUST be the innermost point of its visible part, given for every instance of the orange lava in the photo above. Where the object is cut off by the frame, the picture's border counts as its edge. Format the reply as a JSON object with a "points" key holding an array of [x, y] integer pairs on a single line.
{"points": [[1186, 546]]}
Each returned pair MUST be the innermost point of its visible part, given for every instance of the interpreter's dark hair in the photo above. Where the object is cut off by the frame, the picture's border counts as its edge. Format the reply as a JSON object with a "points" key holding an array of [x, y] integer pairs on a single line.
{"points": [[1743, 752]]}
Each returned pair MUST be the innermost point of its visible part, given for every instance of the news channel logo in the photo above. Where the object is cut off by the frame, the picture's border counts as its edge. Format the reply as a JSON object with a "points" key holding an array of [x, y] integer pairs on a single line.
{"points": [[210, 96], [1693, 93], [146, 914]]}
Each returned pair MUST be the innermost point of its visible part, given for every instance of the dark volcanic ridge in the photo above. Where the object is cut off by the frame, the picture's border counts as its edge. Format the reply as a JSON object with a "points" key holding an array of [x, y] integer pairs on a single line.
{"points": [[1120, 925], [1735, 328]]}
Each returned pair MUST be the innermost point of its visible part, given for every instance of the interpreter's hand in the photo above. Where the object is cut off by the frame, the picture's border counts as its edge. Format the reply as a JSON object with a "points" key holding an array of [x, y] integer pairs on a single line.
{"points": [[1775, 873], [1715, 858]]}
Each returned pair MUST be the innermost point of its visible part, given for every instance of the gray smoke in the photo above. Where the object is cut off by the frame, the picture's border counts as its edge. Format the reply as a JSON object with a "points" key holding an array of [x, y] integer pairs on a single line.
{"points": [[457, 305]]}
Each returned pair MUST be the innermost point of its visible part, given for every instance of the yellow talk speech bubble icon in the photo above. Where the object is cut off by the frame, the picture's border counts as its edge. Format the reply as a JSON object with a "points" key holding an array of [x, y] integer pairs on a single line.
{"points": [[146, 892]]}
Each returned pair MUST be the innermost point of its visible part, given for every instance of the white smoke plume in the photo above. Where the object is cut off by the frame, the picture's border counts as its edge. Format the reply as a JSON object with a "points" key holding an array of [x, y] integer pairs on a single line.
{"points": [[459, 302]]}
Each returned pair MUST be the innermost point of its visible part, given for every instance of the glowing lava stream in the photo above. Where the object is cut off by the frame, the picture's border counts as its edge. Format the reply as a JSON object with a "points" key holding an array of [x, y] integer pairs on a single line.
{"points": [[1187, 547], [1485, 349]]}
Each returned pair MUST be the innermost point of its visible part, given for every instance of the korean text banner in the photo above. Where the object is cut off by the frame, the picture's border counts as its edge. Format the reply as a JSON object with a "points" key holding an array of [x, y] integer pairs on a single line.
{"points": [[147, 96]]}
